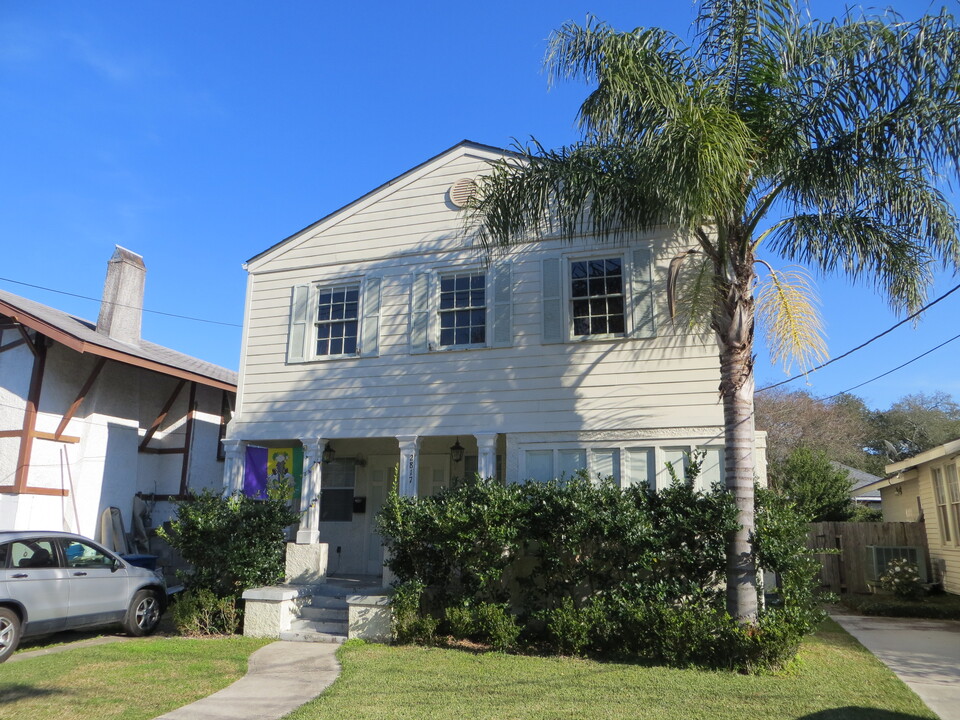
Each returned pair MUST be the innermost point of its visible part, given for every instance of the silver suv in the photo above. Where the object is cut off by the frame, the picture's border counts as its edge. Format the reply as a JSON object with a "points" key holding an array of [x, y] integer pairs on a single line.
{"points": [[53, 581]]}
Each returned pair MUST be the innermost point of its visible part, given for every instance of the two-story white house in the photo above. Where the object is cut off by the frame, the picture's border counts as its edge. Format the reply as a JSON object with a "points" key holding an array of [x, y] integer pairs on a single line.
{"points": [[382, 337]]}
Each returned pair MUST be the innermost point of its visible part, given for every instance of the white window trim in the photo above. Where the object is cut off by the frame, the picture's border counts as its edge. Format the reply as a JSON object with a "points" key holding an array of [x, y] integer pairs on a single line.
{"points": [[433, 330], [941, 503], [315, 289], [660, 477], [626, 274]]}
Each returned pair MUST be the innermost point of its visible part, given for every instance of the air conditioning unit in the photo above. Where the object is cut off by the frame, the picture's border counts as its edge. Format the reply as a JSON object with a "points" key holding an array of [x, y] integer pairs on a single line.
{"points": [[879, 556]]}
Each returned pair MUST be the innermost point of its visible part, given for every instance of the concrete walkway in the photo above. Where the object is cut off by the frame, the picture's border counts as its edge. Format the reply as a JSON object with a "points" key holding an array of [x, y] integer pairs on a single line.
{"points": [[281, 677], [925, 654]]}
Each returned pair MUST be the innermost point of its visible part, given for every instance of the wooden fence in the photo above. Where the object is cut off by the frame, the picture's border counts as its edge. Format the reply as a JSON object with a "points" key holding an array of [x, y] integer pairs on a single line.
{"points": [[847, 571]]}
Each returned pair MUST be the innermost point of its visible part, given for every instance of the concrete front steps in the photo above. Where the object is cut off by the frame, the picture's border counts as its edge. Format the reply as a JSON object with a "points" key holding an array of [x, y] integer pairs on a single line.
{"points": [[325, 618]]}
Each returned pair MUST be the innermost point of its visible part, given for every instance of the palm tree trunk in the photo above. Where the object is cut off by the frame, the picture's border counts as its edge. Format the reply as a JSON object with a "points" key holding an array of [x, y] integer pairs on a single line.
{"points": [[734, 328]]}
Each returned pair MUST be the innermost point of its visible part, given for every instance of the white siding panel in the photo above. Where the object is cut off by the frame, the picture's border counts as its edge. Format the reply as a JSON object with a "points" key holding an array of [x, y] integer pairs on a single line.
{"points": [[669, 381]]}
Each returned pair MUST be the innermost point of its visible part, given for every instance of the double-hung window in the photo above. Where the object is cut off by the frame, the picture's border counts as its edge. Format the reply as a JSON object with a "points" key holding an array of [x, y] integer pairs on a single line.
{"points": [[940, 498], [596, 295], [462, 309], [953, 497], [337, 320], [337, 481], [334, 319]]}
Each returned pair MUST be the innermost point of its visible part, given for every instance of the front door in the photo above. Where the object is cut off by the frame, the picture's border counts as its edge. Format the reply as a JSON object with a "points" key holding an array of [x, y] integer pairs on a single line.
{"points": [[380, 470]]}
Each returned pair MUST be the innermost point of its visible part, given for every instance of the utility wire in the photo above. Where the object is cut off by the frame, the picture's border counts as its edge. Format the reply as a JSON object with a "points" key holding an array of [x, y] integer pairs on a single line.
{"points": [[863, 345], [865, 382], [155, 312]]}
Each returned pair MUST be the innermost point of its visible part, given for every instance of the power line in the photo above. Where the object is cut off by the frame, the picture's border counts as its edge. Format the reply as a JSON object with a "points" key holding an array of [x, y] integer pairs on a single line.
{"points": [[863, 345], [155, 312], [895, 369]]}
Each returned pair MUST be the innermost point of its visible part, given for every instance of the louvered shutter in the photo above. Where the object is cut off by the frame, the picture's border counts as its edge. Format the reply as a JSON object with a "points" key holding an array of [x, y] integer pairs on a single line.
{"points": [[299, 324], [552, 301], [642, 301], [502, 306], [370, 328], [420, 313]]}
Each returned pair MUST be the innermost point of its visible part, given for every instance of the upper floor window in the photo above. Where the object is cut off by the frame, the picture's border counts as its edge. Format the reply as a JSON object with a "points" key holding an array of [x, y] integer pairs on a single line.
{"points": [[591, 297], [337, 320], [334, 320], [462, 309], [596, 293]]}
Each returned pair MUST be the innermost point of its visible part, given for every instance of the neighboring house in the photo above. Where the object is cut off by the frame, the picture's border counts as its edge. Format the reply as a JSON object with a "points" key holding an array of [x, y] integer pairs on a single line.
{"points": [[384, 337], [91, 414], [925, 488], [862, 490]]}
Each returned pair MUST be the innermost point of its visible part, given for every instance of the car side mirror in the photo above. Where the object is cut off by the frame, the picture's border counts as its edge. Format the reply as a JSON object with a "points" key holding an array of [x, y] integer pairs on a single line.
{"points": [[115, 565]]}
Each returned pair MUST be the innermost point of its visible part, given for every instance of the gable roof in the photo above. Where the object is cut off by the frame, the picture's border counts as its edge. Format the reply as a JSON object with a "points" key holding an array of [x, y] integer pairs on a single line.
{"points": [[460, 146], [82, 336]]}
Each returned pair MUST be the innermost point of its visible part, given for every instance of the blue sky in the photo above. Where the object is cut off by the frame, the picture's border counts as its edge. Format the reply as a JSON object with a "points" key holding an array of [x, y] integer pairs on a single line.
{"points": [[199, 134]]}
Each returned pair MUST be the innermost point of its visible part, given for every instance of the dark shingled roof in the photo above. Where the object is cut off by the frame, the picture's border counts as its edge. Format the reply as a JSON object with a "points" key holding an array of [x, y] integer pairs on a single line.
{"points": [[82, 336]]}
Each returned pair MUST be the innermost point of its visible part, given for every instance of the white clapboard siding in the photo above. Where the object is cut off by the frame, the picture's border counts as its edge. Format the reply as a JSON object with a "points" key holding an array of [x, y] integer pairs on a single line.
{"points": [[408, 228]]}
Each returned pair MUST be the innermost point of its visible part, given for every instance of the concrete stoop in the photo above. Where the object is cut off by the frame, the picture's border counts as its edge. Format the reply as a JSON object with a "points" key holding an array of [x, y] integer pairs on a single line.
{"points": [[325, 619], [327, 612]]}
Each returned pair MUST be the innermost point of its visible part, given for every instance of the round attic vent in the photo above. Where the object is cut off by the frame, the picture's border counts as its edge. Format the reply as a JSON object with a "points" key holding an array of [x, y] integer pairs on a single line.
{"points": [[461, 191]]}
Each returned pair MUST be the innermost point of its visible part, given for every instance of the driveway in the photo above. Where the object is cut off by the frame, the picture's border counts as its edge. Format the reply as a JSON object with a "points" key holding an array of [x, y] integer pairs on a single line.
{"points": [[925, 654]]}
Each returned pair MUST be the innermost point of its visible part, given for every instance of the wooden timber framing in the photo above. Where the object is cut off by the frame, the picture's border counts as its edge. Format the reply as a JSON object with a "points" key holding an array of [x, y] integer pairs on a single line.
{"points": [[184, 451], [40, 435], [28, 431], [39, 348], [191, 414], [158, 421], [11, 345], [81, 396]]}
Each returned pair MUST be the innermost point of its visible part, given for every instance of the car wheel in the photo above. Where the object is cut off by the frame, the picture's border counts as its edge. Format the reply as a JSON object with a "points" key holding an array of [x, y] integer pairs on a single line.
{"points": [[9, 633], [144, 613]]}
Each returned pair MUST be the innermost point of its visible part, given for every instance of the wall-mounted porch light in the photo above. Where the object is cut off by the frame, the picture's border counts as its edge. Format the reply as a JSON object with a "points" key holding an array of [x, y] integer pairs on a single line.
{"points": [[328, 454], [456, 451]]}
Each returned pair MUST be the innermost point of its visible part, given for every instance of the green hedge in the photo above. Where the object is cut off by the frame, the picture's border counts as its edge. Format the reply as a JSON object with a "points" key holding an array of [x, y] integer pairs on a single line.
{"points": [[578, 566]]}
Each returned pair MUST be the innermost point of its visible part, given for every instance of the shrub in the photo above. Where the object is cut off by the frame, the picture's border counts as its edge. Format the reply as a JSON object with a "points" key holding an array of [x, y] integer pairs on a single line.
{"points": [[232, 543], [200, 613], [588, 567], [497, 626], [819, 490], [902, 578]]}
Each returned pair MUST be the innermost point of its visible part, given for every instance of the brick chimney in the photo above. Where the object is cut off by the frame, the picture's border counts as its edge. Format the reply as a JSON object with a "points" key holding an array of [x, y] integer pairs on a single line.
{"points": [[121, 307]]}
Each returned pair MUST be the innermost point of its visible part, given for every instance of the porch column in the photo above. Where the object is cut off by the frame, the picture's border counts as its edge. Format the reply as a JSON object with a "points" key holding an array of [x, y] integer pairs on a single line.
{"points": [[233, 466], [309, 532], [409, 464], [487, 455]]}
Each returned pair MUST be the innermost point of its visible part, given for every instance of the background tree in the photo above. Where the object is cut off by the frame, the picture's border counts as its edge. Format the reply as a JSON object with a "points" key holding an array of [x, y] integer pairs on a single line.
{"points": [[819, 490], [824, 141], [839, 427], [913, 424]]}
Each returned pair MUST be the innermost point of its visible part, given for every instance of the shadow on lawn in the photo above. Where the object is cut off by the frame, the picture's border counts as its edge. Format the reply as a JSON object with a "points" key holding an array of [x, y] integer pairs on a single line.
{"points": [[17, 691], [859, 713]]}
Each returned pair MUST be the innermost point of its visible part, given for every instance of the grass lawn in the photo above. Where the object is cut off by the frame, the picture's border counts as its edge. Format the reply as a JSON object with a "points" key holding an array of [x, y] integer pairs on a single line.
{"points": [[134, 680], [834, 679]]}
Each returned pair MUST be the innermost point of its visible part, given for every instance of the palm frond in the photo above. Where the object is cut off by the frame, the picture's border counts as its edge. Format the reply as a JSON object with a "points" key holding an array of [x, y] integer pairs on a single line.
{"points": [[787, 309], [691, 290]]}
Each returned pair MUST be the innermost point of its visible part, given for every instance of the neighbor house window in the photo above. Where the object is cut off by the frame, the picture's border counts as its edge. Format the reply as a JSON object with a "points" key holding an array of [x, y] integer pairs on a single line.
{"points": [[940, 498], [953, 497], [596, 293], [463, 309], [337, 480], [337, 320]]}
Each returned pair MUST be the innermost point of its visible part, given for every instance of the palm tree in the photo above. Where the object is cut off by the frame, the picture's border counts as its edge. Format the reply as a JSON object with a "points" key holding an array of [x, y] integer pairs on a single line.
{"points": [[824, 142]]}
